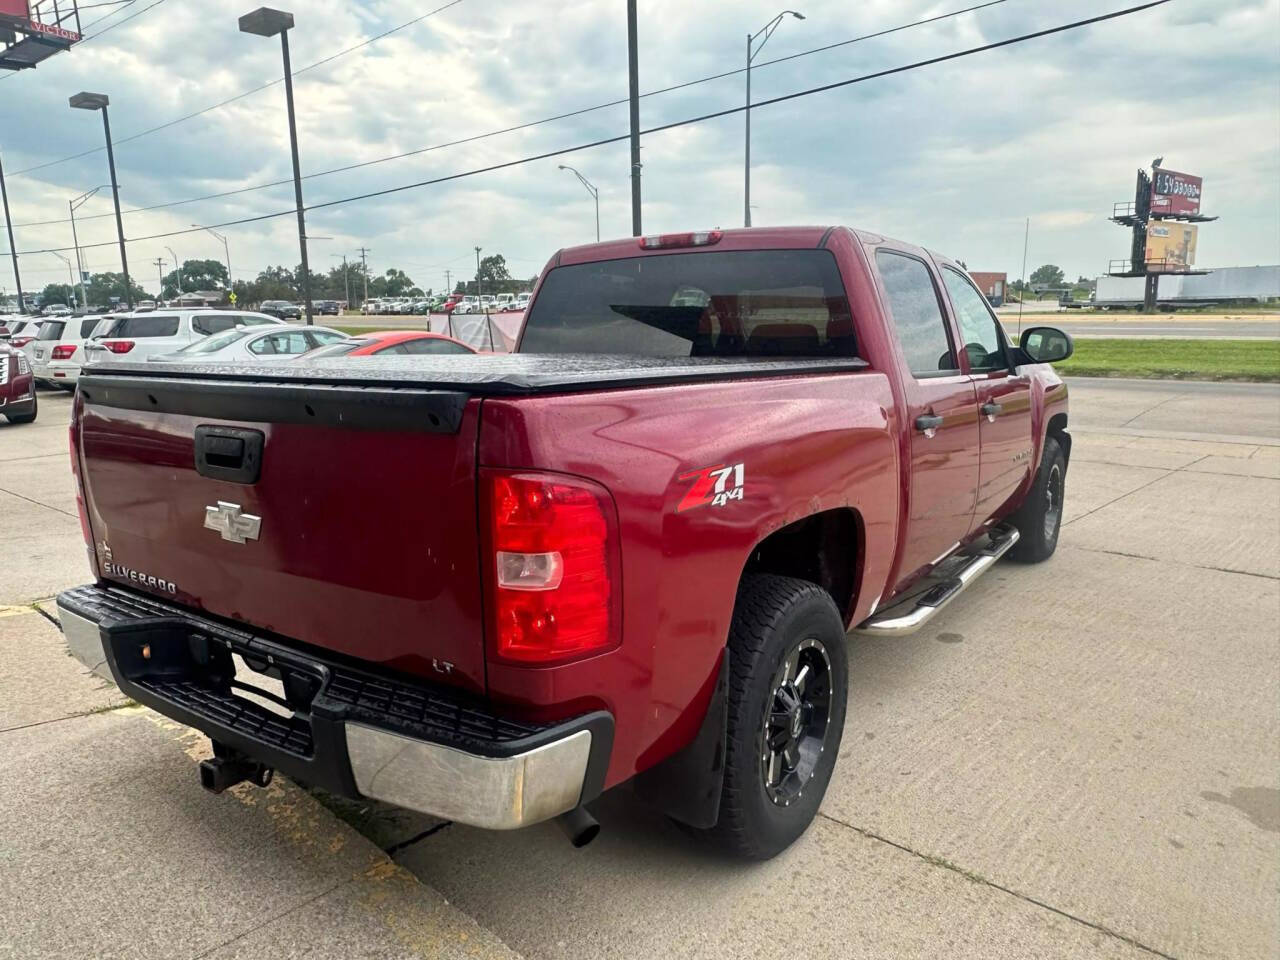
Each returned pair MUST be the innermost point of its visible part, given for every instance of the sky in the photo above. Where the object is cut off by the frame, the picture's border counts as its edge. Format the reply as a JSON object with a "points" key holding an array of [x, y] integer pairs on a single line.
{"points": [[955, 156]]}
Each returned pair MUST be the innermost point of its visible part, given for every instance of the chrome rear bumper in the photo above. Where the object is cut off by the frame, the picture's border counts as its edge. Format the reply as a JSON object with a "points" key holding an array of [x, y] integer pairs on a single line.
{"points": [[497, 774]]}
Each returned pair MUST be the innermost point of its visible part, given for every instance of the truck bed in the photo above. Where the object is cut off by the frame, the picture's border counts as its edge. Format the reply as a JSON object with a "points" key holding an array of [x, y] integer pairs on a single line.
{"points": [[490, 375]]}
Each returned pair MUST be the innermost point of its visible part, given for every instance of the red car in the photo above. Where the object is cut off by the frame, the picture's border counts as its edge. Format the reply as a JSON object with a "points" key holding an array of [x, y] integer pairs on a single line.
{"points": [[17, 386], [495, 586], [384, 343]]}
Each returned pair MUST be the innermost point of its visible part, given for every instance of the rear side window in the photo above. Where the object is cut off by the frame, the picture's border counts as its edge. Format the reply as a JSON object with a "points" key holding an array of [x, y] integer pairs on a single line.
{"points": [[430, 345], [761, 303], [209, 323], [916, 313], [281, 343], [87, 327], [147, 325], [52, 330], [337, 349]]}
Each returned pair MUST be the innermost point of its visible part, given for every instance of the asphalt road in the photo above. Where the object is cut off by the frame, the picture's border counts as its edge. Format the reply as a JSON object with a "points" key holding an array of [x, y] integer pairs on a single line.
{"points": [[1078, 760], [1170, 325]]}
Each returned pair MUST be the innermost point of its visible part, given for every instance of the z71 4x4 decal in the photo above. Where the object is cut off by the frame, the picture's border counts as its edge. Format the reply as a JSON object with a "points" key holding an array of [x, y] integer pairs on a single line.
{"points": [[712, 486]]}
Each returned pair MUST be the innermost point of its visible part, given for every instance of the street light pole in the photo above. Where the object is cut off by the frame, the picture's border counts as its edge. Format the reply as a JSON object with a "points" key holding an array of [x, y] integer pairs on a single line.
{"points": [[13, 251], [266, 22], [226, 250], [99, 101], [767, 31], [590, 189], [69, 277], [74, 204], [177, 267]]}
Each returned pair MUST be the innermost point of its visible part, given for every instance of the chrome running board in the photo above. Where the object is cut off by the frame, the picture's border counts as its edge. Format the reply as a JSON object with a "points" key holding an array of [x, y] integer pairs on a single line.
{"points": [[910, 615]]}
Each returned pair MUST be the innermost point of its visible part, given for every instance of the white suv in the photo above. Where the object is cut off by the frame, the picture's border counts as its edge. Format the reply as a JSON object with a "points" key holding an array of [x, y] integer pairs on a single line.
{"points": [[57, 352], [137, 336]]}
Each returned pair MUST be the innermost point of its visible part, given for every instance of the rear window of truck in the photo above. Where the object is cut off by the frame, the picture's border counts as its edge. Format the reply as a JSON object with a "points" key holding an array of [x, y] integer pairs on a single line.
{"points": [[765, 303]]}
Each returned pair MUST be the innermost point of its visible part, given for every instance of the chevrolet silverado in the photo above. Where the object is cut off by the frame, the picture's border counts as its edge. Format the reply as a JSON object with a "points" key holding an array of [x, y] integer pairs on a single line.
{"points": [[491, 587]]}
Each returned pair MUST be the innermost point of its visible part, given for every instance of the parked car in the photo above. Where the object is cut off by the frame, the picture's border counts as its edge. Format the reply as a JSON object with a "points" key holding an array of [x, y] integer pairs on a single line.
{"points": [[281, 309], [58, 349], [137, 336], [451, 303], [467, 305], [521, 302], [392, 343], [636, 566], [326, 308], [252, 344], [55, 310], [20, 330], [17, 386]]}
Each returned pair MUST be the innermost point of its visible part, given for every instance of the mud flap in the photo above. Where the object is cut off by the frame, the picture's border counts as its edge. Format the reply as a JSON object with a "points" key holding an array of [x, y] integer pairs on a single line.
{"points": [[686, 786]]}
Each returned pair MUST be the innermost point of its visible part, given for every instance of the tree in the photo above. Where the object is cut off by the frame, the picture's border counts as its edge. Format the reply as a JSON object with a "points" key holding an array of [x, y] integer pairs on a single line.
{"points": [[493, 267], [103, 287], [196, 275], [1047, 276], [57, 293]]}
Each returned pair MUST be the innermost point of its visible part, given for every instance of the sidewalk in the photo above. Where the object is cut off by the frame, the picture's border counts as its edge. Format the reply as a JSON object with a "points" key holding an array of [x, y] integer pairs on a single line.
{"points": [[111, 849]]}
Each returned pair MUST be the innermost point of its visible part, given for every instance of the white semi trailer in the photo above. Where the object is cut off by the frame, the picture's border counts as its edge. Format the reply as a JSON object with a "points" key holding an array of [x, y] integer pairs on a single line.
{"points": [[1226, 285]]}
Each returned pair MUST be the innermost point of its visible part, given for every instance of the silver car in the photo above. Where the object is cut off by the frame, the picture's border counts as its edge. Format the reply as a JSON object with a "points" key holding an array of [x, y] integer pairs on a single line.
{"points": [[253, 344]]}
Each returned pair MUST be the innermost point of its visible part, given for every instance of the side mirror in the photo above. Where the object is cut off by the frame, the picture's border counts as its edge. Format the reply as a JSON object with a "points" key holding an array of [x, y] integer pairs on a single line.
{"points": [[1046, 344]]}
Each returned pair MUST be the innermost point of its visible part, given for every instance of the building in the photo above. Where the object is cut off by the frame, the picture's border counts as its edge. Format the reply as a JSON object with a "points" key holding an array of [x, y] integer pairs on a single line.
{"points": [[992, 285]]}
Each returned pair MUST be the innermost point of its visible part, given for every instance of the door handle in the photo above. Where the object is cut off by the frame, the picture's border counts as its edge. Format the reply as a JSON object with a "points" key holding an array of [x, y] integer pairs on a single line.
{"points": [[991, 410], [928, 424]]}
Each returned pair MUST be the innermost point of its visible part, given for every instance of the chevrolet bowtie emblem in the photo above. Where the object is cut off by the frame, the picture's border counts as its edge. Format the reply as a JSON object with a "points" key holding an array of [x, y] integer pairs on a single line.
{"points": [[235, 526]]}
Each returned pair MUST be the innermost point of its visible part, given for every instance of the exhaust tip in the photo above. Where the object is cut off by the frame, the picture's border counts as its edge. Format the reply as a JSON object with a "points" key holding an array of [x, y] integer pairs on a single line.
{"points": [[580, 826]]}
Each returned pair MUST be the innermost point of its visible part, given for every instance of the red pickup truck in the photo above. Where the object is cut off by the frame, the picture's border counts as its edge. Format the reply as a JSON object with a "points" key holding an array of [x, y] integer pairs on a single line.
{"points": [[489, 588]]}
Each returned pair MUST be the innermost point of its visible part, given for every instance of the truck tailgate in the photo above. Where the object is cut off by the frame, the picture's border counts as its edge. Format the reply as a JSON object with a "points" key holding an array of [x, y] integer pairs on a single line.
{"points": [[366, 538]]}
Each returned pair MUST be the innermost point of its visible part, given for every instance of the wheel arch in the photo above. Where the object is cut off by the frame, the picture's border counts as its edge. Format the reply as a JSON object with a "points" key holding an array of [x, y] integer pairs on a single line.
{"points": [[825, 548]]}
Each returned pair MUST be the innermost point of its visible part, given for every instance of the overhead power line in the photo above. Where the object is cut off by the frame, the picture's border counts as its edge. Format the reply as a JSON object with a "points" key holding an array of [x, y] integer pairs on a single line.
{"points": [[703, 118], [511, 129], [239, 96]]}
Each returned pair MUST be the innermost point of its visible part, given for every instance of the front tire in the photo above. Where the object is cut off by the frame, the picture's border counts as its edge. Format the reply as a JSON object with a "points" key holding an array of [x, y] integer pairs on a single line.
{"points": [[789, 675], [1039, 519]]}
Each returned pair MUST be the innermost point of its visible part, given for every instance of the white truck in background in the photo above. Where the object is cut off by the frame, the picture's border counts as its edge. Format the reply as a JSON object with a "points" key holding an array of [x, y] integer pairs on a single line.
{"points": [[1225, 286]]}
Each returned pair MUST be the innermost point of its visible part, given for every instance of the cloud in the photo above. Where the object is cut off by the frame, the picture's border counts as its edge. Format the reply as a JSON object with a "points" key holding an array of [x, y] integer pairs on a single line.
{"points": [[953, 156]]}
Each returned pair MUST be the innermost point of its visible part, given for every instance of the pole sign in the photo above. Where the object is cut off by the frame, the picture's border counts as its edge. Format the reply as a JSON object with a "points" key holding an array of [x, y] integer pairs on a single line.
{"points": [[1174, 194], [1171, 247], [16, 10]]}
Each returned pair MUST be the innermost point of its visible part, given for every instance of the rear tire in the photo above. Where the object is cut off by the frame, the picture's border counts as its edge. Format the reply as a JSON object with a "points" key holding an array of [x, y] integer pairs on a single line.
{"points": [[788, 679], [25, 417], [1039, 519]]}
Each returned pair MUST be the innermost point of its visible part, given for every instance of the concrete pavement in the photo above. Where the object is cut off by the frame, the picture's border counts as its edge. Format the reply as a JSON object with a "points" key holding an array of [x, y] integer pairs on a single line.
{"points": [[1193, 326], [1081, 759]]}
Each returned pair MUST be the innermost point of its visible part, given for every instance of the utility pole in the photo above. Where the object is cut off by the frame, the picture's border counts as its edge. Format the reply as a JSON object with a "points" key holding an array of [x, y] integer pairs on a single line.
{"points": [[160, 278], [633, 70], [365, 263], [479, 289], [13, 251], [448, 282]]}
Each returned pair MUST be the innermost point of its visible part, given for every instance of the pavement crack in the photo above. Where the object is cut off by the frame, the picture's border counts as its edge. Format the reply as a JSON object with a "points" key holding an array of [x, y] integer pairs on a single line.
{"points": [[1181, 563], [47, 615], [1176, 396], [38, 503], [69, 716], [279, 914], [1165, 475], [397, 847], [986, 882]]}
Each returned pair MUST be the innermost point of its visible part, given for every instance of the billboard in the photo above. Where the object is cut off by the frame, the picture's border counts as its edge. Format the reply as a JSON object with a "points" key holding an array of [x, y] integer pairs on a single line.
{"points": [[14, 10], [1171, 245], [1174, 194]]}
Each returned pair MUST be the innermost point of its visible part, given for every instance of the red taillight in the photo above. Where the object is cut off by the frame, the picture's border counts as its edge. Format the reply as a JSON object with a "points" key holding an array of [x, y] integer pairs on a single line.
{"points": [[552, 559], [20, 342], [118, 346], [702, 238], [63, 351], [73, 439]]}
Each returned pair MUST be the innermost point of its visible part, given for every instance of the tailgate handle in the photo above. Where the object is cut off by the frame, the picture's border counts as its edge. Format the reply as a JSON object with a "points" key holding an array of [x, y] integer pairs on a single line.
{"points": [[228, 453]]}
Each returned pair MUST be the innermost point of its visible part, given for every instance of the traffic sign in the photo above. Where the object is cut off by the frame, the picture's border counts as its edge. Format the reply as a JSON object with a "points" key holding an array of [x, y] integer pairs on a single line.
{"points": [[232, 297]]}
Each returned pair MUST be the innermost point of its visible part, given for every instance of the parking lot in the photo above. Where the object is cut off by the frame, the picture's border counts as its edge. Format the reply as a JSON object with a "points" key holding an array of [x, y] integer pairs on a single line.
{"points": [[1082, 758]]}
